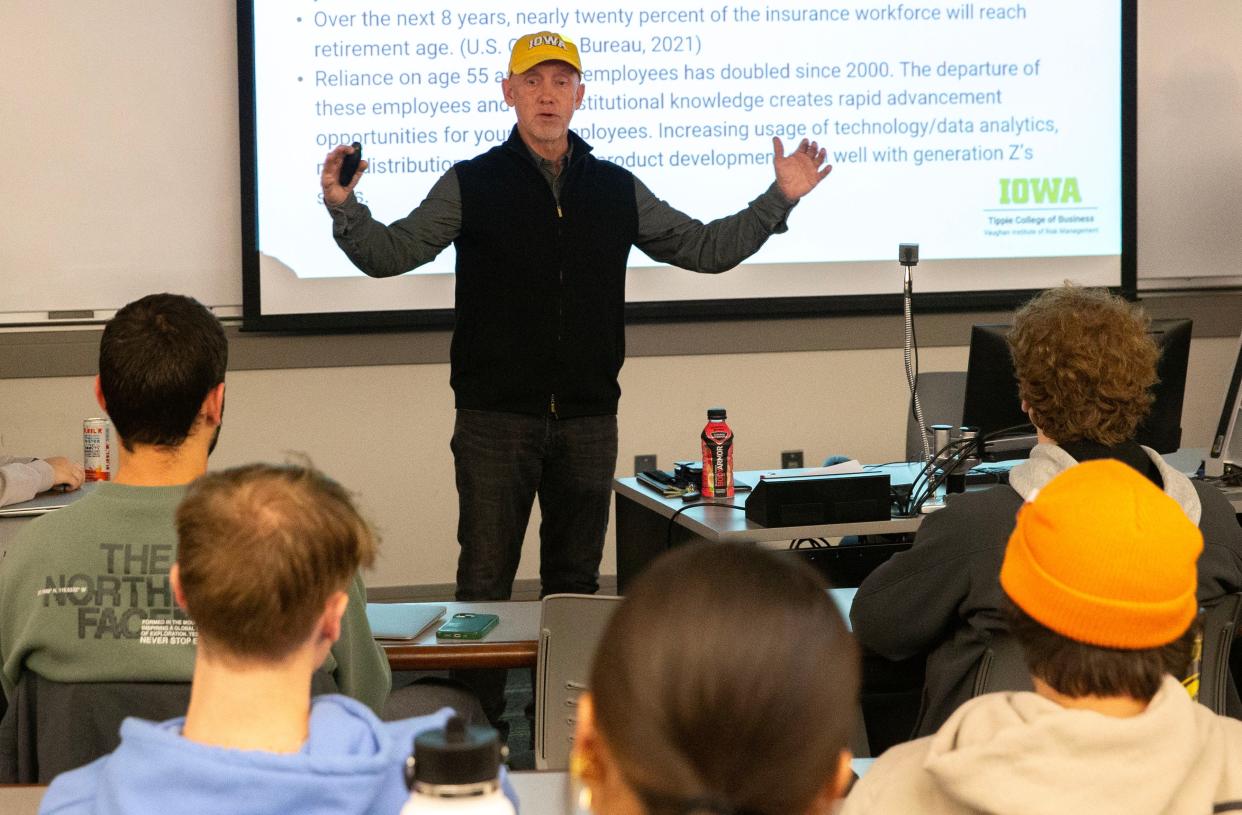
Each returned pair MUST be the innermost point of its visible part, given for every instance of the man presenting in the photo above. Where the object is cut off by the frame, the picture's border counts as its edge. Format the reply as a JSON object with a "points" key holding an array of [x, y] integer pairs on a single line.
{"points": [[542, 231]]}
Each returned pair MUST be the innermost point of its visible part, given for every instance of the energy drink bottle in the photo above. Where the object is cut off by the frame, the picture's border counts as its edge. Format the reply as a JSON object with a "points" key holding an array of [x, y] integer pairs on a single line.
{"points": [[717, 456], [97, 449]]}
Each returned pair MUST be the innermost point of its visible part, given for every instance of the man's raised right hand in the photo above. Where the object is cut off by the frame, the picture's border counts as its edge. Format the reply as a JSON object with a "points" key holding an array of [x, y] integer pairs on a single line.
{"points": [[333, 193]]}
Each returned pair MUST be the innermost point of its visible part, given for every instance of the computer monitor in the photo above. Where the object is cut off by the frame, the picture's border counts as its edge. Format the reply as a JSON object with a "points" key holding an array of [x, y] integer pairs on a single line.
{"points": [[992, 402], [1226, 450]]}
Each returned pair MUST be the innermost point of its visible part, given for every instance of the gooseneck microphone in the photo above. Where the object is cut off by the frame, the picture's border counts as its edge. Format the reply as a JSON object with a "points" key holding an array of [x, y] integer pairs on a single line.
{"points": [[908, 257]]}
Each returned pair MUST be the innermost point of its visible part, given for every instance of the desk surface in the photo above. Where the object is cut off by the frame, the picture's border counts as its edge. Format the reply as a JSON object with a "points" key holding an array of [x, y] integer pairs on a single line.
{"points": [[718, 521], [513, 643], [722, 523], [46, 502]]}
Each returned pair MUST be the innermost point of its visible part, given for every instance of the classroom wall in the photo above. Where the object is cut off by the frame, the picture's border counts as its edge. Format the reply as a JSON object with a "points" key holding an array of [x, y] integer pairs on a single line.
{"points": [[383, 430], [121, 119]]}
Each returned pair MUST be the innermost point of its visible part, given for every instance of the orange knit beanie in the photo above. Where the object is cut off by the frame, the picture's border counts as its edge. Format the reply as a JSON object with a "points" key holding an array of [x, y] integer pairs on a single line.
{"points": [[1102, 556]]}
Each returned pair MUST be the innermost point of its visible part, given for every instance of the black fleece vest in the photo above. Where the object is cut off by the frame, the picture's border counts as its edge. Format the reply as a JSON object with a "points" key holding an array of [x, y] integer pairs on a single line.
{"points": [[540, 313]]}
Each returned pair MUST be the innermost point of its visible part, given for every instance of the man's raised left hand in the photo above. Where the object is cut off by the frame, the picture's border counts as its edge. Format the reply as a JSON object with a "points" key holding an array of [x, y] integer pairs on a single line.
{"points": [[799, 172]]}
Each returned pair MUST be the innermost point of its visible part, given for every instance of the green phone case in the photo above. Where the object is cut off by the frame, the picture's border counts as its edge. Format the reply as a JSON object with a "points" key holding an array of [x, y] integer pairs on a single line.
{"points": [[467, 625]]}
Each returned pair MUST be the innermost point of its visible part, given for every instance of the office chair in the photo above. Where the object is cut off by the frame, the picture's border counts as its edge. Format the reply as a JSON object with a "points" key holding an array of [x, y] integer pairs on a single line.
{"points": [[942, 394], [1002, 667], [1220, 625], [51, 727], [570, 625]]}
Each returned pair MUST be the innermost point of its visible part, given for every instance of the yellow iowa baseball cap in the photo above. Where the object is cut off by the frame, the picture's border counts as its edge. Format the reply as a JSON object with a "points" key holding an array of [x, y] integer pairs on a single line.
{"points": [[542, 46]]}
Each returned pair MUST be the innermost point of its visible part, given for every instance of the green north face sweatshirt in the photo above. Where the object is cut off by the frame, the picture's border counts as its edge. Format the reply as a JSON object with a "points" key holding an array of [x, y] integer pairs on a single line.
{"points": [[85, 597]]}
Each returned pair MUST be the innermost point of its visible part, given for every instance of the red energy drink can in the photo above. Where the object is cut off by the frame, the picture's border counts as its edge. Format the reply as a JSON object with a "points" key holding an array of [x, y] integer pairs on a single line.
{"points": [[97, 449], [717, 456]]}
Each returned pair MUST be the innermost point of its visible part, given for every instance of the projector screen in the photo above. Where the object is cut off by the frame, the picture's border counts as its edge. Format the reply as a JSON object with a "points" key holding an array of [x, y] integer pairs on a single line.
{"points": [[997, 135]]}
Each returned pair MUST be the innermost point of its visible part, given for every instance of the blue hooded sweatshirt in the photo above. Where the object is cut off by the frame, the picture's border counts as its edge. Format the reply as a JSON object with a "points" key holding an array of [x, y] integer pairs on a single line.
{"points": [[351, 763]]}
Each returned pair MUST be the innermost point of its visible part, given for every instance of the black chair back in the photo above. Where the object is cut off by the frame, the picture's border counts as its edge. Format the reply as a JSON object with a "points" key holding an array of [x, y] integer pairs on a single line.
{"points": [[1220, 626], [1002, 667], [51, 727]]}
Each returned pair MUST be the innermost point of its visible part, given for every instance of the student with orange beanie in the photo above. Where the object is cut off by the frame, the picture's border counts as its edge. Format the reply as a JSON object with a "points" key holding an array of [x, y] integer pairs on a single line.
{"points": [[1100, 574], [1085, 365]]}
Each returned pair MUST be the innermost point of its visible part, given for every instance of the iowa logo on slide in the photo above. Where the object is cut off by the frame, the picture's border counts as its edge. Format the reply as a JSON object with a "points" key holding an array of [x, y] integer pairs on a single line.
{"points": [[1040, 191]]}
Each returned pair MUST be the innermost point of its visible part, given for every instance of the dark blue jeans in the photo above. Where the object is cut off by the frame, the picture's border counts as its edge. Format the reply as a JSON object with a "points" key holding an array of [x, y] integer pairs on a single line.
{"points": [[503, 461]]}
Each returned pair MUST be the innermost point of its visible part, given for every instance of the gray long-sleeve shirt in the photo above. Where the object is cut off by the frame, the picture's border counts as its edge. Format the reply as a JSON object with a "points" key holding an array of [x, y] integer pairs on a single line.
{"points": [[23, 478], [666, 234]]}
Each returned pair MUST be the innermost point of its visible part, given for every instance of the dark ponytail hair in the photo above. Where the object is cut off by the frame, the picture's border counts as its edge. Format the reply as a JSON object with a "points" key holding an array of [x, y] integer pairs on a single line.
{"points": [[726, 683]]}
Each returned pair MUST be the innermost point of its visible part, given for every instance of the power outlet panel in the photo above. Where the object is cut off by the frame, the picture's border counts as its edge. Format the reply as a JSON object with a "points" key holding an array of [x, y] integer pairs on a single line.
{"points": [[791, 459], [647, 462]]}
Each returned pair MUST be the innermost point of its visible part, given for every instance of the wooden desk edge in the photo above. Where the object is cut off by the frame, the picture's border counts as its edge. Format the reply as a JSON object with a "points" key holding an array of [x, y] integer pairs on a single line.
{"points": [[402, 657]]}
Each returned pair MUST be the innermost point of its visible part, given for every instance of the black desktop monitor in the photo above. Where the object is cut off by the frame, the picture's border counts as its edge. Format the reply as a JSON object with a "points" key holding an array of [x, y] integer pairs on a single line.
{"points": [[1162, 429], [992, 402], [1226, 452]]}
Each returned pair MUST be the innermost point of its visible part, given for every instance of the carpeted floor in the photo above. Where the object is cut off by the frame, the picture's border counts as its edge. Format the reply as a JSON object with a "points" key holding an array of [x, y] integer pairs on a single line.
{"points": [[520, 698]]}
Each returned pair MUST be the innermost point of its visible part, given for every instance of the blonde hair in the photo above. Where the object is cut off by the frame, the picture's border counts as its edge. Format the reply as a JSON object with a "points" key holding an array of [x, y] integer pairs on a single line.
{"points": [[261, 548]]}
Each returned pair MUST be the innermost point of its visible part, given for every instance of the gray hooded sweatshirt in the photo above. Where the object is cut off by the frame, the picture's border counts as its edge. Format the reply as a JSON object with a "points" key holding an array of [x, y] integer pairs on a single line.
{"points": [[1022, 754]]}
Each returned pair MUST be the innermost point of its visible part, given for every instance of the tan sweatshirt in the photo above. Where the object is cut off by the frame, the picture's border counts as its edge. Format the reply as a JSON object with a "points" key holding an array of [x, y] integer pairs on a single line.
{"points": [[1022, 754]]}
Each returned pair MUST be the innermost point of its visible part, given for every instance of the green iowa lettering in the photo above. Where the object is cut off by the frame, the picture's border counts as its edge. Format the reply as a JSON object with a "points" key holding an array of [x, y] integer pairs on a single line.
{"points": [[1040, 191]]}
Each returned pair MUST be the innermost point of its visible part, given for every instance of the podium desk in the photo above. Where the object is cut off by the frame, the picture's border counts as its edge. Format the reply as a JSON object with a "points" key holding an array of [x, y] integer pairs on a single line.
{"points": [[513, 643], [648, 523]]}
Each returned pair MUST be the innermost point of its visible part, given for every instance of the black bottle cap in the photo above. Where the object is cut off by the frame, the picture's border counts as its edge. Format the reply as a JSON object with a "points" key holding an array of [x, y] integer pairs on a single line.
{"points": [[716, 414], [458, 754]]}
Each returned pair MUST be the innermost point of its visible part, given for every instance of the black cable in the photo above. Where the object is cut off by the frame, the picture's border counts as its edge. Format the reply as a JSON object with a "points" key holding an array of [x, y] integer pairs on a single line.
{"points": [[932, 476], [926, 476], [672, 521], [898, 500], [914, 341], [930, 466], [941, 475]]}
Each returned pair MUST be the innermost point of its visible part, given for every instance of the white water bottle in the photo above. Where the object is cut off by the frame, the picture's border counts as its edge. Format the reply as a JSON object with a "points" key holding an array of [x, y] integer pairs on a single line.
{"points": [[456, 771]]}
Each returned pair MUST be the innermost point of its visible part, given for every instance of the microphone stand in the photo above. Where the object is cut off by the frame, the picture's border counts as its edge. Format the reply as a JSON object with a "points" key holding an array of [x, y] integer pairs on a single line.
{"points": [[908, 257]]}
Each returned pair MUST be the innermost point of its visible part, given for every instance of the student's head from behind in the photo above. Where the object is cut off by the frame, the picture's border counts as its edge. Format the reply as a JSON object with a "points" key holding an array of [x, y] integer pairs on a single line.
{"points": [[265, 554], [726, 681], [1100, 570], [161, 370], [1085, 364]]}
